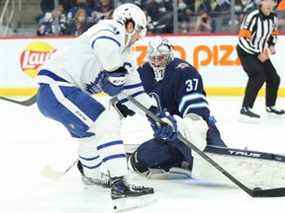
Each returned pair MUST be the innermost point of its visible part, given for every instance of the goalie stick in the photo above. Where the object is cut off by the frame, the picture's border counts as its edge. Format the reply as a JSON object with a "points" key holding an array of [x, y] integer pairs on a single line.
{"points": [[256, 192], [28, 102]]}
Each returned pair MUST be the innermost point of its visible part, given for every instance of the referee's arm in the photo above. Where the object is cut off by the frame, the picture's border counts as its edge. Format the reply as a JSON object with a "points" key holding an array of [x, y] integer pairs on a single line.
{"points": [[273, 37], [246, 31]]}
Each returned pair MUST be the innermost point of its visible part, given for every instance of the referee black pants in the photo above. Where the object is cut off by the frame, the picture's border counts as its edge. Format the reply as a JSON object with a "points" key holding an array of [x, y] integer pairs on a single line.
{"points": [[258, 73]]}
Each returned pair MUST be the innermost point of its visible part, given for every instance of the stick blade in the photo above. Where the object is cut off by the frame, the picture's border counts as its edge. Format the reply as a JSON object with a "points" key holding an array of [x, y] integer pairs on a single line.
{"points": [[27, 102], [276, 192], [50, 173]]}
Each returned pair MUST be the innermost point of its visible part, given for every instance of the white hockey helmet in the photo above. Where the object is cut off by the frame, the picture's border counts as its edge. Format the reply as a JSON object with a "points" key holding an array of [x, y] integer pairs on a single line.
{"points": [[131, 12], [160, 53]]}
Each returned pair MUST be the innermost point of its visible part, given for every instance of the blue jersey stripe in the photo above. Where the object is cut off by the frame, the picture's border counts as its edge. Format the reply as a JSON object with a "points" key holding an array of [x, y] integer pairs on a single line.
{"points": [[91, 167], [111, 157], [191, 102], [52, 75], [89, 159], [195, 106], [102, 146], [105, 37], [132, 86], [190, 97]]}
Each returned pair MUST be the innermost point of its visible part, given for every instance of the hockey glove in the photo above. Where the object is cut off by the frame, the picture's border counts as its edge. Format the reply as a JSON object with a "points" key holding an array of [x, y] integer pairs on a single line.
{"points": [[111, 83], [168, 129]]}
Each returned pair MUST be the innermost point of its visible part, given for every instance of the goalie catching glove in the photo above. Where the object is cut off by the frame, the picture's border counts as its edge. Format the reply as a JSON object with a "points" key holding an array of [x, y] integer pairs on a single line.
{"points": [[192, 127]]}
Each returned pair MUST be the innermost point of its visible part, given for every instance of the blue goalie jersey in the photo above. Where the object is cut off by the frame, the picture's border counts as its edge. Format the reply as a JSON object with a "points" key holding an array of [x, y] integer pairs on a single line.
{"points": [[181, 91]]}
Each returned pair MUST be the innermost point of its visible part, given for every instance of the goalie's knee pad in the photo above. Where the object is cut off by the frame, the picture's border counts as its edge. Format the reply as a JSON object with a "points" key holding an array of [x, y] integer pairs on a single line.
{"points": [[194, 129], [156, 154]]}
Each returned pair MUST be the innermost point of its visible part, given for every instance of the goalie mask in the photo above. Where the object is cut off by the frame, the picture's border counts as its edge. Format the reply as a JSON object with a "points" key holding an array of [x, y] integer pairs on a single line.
{"points": [[159, 56]]}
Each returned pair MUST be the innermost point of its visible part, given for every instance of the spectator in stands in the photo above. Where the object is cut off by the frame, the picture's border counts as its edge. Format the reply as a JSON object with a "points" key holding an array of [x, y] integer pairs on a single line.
{"points": [[79, 25], [53, 23], [247, 6], [160, 12], [80, 4], [102, 9], [205, 5], [242, 8], [204, 23], [190, 5], [47, 6], [185, 17], [223, 6], [281, 14], [67, 4]]}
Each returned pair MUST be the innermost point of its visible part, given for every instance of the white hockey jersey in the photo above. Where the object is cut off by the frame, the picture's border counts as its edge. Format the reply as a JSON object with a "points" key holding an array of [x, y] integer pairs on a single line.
{"points": [[100, 48]]}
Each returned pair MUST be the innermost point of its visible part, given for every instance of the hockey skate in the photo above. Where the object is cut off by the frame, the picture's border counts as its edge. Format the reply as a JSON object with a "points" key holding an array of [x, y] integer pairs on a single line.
{"points": [[126, 196], [275, 112], [102, 180], [248, 116]]}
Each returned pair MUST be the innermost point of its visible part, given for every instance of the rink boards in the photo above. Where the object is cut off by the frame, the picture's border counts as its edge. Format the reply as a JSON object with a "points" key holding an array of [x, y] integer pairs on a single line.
{"points": [[214, 56]]}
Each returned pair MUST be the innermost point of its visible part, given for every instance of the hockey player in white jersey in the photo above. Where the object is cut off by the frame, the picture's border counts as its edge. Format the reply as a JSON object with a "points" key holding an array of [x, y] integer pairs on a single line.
{"points": [[98, 61]]}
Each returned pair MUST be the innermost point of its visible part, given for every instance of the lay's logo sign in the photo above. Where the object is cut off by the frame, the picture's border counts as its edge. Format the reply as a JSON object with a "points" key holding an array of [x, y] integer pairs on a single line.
{"points": [[35, 55]]}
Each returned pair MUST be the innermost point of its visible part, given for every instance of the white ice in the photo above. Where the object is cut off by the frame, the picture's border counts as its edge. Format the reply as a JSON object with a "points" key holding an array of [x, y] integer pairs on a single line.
{"points": [[29, 142]]}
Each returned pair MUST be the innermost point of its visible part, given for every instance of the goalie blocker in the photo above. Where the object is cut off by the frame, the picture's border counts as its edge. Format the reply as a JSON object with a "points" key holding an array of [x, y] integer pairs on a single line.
{"points": [[255, 169]]}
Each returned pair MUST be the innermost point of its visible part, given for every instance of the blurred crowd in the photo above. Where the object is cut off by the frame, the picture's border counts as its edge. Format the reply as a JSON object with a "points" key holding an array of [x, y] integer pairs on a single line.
{"points": [[72, 17]]}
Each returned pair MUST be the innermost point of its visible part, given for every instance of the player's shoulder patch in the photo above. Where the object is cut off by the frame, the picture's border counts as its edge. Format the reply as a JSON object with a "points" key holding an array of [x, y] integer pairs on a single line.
{"points": [[182, 65]]}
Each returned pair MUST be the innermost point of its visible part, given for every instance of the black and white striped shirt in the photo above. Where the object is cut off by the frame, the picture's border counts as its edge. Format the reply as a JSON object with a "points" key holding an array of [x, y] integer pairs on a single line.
{"points": [[258, 32]]}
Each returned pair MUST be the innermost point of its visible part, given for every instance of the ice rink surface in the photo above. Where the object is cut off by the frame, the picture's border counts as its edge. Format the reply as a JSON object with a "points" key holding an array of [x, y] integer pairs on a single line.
{"points": [[29, 142]]}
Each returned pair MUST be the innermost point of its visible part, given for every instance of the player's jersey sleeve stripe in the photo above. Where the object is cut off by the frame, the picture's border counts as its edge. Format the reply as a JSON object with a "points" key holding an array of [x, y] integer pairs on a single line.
{"points": [[195, 106], [105, 37], [102, 146], [132, 86], [190, 98]]}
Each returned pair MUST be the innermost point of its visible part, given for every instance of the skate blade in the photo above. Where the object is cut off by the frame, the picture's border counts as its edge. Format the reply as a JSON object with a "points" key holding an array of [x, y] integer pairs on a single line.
{"points": [[274, 116], [130, 203], [248, 120]]}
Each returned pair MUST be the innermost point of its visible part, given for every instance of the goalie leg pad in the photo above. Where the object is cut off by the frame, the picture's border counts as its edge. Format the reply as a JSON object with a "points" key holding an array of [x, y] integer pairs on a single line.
{"points": [[255, 169]]}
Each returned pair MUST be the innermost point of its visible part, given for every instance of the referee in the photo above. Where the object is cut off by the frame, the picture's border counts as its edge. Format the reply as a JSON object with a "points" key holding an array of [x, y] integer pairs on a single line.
{"points": [[258, 35]]}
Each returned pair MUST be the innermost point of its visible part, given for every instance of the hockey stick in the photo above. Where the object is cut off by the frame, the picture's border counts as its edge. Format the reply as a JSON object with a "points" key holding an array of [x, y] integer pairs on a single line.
{"points": [[256, 192], [28, 102], [54, 174]]}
